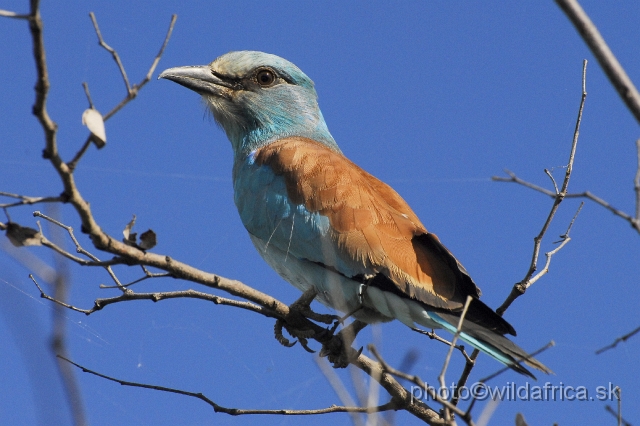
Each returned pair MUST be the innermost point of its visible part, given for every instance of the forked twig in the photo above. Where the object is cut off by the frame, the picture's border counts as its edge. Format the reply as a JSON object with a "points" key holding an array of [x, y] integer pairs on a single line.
{"points": [[132, 90], [520, 288], [156, 297], [111, 50], [79, 249]]}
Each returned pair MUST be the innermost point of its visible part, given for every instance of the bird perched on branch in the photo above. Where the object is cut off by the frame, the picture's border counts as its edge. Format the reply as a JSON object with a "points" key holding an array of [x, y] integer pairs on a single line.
{"points": [[321, 221]]}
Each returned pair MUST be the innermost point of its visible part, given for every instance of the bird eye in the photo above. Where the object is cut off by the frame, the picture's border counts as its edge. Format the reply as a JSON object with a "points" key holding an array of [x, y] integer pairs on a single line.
{"points": [[265, 78]]}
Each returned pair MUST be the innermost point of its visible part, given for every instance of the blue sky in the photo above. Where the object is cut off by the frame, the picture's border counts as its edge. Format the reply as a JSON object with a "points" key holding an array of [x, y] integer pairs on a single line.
{"points": [[432, 98]]}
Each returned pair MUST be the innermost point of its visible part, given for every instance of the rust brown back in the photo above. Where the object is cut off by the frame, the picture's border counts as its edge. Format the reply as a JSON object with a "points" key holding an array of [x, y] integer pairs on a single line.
{"points": [[370, 221]]}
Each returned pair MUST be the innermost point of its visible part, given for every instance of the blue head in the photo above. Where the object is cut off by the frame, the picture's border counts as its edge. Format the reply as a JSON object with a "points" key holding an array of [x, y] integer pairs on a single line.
{"points": [[257, 98]]}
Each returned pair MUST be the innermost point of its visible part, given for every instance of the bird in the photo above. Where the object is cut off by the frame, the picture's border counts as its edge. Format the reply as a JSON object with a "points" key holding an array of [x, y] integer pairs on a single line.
{"points": [[322, 222]]}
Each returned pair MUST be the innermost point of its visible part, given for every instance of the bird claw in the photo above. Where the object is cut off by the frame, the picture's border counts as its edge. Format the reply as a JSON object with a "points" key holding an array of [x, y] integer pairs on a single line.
{"points": [[336, 347], [304, 344], [277, 329]]}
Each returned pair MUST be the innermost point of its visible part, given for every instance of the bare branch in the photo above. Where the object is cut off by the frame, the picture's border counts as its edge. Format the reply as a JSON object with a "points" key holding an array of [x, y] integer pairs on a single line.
{"points": [[133, 90], [156, 297], [85, 86], [160, 53], [635, 222], [79, 249], [237, 411], [42, 86], [462, 381], [610, 410], [148, 274], [603, 54], [85, 146], [520, 288], [563, 241], [433, 336], [26, 200], [619, 340], [417, 381], [445, 365], [618, 414]]}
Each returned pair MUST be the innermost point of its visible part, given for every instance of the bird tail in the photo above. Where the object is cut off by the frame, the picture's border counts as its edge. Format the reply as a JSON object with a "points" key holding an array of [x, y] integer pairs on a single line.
{"points": [[491, 343]]}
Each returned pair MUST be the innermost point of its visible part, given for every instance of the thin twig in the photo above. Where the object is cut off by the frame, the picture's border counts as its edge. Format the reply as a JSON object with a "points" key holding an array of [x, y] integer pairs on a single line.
{"points": [[133, 90], [603, 54], [160, 53], [99, 304], [25, 200], [462, 381], [564, 240], [610, 410], [432, 335], [146, 277], [85, 85], [111, 50], [634, 222], [9, 14], [445, 365], [617, 414], [619, 340], [79, 249], [520, 288], [237, 411]]}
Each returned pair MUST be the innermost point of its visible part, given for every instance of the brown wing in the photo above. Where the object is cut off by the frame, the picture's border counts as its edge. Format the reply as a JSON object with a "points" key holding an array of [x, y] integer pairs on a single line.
{"points": [[375, 228]]}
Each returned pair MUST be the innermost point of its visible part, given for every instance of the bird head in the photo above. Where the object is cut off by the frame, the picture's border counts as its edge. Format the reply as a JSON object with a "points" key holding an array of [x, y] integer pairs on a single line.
{"points": [[256, 98]]}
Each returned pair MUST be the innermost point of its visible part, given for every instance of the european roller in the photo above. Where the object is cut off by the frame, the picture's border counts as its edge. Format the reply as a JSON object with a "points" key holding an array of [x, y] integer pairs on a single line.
{"points": [[321, 221]]}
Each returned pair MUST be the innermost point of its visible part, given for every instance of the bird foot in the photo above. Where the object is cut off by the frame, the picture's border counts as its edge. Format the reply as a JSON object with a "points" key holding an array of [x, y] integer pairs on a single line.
{"points": [[294, 323], [303, 307], [338, 349]]}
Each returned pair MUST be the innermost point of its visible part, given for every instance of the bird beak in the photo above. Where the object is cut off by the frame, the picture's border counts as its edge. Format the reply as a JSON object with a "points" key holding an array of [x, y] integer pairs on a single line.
{"points": [[198, 78]]}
